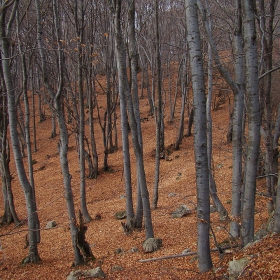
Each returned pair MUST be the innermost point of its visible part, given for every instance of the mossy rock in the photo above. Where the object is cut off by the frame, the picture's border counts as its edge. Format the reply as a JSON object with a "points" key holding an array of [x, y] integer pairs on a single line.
{"points": [[152, 245], [120, 215]]}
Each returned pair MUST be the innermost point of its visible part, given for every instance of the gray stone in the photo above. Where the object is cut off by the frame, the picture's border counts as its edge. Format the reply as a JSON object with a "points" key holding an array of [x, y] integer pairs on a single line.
{"points": [[91, 273], [74, 275], [171, 194], [118, 251], [236, 267], [186, 251], [95, 273], [181, 211], [117, 268], [51, 224], [152, 244], [213, 208], [134, 250], [120, 215]]}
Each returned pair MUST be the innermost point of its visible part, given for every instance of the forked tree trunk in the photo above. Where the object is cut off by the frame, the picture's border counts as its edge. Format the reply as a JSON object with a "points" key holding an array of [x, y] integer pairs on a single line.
{"points": [[79, 22], [124, 91], [238, 92], [63, 144], [212, 184]]}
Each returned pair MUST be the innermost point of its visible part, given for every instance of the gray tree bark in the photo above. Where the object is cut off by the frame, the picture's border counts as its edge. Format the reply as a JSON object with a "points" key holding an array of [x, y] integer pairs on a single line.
{"points": [[212, 184], [63, 144], [79, 24], [10, 214], [5, 33], [253, 111], [200, 137], [124, 91], [27, 126], [266, 23], [237, 131], [276, 227], [158, 111], [237, 88]]}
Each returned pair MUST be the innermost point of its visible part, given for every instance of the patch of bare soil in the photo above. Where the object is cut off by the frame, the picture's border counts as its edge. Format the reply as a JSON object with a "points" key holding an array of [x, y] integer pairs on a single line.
{"points": [[111, 247]]}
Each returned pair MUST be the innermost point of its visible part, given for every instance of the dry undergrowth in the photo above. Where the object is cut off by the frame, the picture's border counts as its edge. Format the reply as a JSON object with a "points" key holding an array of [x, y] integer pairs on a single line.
{"points": [[105, 197]]}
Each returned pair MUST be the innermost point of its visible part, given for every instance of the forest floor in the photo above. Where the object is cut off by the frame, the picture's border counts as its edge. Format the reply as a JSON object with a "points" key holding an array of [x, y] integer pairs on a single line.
{"points": [[105, 196]]}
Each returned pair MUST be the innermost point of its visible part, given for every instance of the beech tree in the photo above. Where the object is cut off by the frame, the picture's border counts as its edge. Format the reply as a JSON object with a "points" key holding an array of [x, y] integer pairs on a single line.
{"points": [[200, 137], [158, 109], [63, 144], [9, 214], [79, 14], [29, 192], [237, 131], [253, 112], [126, 98], [266, 22], [237, 87]]}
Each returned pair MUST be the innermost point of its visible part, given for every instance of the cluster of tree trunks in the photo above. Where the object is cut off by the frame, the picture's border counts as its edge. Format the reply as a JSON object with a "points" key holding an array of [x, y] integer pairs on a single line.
{"points": [[62, 66]]}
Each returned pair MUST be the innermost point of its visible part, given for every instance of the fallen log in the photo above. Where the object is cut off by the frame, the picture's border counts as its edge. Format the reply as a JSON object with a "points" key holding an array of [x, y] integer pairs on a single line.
{"points": [[221, 250]]}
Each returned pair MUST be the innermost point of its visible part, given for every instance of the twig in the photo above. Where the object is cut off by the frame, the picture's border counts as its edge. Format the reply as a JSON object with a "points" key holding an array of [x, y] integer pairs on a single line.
{"points": [[184, 255], [267, 175]]}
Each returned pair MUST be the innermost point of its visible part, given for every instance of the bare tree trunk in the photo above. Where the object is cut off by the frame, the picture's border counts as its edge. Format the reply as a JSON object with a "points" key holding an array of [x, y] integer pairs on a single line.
{"points": [[91, 132], [202, 171], [267, 38], [27, 131], [79, 24], [184, 81], [10, 214], [124, 91], [5, 32], [33, 115], [158, 113], [237, 129], [253, 110], [190, 123], [63, 144], [212, 184]]}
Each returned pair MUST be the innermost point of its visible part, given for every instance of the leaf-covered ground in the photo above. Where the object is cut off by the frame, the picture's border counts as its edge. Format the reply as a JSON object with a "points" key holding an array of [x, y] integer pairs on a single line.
{"points": [[105, 197]]}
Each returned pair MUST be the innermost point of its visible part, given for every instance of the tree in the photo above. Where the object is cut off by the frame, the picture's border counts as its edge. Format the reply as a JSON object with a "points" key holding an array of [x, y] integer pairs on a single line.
{"points": [[237, 88], [253, 112], [79, 14], [200, 137], [10, 214], [158, 109], [266, 19], [63, 144], [237, 130], [5, 33], [125, 97]]}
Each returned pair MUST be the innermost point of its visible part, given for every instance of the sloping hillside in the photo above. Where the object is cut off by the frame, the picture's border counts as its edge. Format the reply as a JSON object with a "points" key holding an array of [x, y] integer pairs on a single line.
{"points": [[119, 254]]}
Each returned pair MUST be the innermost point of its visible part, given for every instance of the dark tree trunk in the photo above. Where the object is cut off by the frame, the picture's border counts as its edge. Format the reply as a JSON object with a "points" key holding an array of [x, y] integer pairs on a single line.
{"points": [[10, 214], [63, 143], [253, 111], [79, 21], [33, 255], [158, 112], [237, 126]]}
